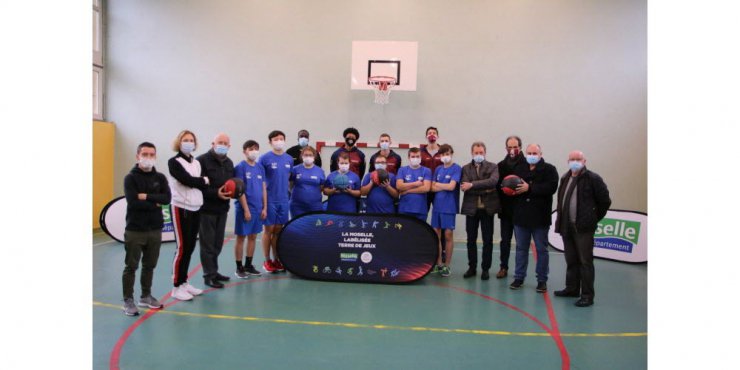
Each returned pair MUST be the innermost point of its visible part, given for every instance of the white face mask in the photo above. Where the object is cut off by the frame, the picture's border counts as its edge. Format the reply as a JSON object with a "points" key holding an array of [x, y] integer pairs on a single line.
{"points": [[415, 162], [278, 145], [380, 166], [253, 155], [385, 145], [344, 167], [446, 159], [308, 161], [147, 163]]}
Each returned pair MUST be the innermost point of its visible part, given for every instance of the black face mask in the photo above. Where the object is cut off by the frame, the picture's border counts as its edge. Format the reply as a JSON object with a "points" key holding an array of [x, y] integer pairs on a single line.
{"points": [[350, 141]]}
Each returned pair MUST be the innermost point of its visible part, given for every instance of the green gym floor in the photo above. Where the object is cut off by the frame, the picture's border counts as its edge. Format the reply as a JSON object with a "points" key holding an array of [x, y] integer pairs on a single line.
{"points": [[282, 321]]}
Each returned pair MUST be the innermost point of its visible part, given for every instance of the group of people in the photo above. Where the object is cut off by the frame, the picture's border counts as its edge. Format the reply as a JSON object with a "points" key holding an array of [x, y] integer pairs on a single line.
{"points": [[282, 184]]}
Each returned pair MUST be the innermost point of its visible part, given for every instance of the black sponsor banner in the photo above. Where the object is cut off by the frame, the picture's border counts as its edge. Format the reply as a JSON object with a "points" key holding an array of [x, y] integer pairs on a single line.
{"points": [[375, 248]]}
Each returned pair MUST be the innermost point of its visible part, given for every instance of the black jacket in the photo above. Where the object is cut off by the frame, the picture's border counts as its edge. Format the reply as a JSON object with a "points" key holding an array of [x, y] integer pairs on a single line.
{"points": [[533, 209], [592, 203], [295, 152], [145, 215], [484, 185], [506, 168], [218, 170]]}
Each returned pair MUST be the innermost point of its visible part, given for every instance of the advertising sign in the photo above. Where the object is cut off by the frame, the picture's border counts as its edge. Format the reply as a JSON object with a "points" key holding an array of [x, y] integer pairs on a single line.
{"points": [[366, 247], [113, 220]]}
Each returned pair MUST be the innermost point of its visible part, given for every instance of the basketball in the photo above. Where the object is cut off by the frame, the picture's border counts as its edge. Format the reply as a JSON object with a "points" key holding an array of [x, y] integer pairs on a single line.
{"points": [[234, 187], [341, 182], [509, 184], [382, 176]]}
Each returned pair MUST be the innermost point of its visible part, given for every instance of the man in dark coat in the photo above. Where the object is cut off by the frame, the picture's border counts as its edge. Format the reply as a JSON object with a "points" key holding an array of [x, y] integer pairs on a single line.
{"points": [[583, 200], [514, 158], [533, 215]]}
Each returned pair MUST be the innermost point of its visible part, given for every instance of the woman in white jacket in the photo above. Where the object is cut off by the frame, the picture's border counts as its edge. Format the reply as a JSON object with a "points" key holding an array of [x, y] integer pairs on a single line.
{"points": [[186, 185]]}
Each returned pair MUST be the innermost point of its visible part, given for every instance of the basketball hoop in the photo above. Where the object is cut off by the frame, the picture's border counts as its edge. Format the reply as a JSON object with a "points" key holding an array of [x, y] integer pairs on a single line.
{"points": [[382, 87]]}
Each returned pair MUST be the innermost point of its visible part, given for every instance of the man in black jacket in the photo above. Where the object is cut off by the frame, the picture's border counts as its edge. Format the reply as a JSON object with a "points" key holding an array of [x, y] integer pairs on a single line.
{"points": [[146, 191], [533, 215], [583, 200], [480, 204], [218, 168], [295, 150], [514, 158]]}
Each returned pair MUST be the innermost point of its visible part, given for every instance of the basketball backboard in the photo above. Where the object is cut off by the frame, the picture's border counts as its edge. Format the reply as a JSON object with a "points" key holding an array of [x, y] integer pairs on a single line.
{"points": [[395, 59]]}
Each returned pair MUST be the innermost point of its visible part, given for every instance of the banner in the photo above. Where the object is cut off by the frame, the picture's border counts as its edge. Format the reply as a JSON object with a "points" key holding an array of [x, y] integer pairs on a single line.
{"points": [[374, 248], [620, 236], [113, 220]]}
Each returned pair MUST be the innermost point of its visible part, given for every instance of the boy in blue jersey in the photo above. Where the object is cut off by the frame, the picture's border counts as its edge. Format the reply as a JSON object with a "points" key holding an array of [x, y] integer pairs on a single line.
{"points": [[380, 195], [306, 182], [277, 165], [250, 209], [446, 204], [342, 200], [413, 183]]}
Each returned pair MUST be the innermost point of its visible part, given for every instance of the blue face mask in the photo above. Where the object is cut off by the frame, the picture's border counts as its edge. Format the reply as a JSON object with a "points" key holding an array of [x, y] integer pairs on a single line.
{"points": [[221, 149], [533, 159], [575, 166], [302, 141], [187, 147], [478, 158]]}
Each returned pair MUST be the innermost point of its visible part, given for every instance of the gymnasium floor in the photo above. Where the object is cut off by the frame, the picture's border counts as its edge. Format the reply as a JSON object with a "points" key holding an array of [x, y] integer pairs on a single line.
{"points": [[281, 321]]}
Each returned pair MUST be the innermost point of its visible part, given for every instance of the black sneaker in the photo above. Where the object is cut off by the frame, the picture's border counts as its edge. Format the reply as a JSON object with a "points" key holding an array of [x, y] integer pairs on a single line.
{"points": [[516, 284], [241, 274], [470, 273], [566, 293], [484, 275], [250, 270], [213, 283], [541, 287], [584, 302], [220, 277]]}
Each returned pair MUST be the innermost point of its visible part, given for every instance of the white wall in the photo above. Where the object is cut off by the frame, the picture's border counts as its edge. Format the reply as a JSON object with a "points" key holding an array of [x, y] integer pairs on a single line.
{"points": [[568, 74]]}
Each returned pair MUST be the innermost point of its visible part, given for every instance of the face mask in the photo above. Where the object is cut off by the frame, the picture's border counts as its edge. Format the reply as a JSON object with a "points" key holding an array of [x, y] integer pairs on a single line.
{"points": [[146, 163], [533, 159], [380, 166], [478, 158], [302, 141], [415, 162], [278, 145], [221, 149], [446, 159], [385, 145], [308, 161], [350, 141], [575, 166], [513, 153], [344, 168], [253, 154], [432, 138], [187, 147]]}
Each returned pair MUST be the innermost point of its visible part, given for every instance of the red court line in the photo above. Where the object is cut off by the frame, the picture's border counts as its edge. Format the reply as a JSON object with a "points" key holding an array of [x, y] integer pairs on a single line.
{"points": [[115, 355], [555, 332]]}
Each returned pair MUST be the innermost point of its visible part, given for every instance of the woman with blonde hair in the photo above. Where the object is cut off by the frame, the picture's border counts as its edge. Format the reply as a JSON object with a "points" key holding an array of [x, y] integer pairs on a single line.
{"points": [[187, 198]]}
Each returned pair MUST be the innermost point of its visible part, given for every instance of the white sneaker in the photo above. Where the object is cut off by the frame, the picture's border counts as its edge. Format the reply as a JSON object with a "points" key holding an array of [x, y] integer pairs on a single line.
{"points": [[181, 294], [191, 289]]}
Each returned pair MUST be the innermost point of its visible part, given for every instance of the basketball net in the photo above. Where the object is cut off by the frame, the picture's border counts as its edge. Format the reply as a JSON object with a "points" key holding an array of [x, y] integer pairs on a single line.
{"points": [[382, 87]]}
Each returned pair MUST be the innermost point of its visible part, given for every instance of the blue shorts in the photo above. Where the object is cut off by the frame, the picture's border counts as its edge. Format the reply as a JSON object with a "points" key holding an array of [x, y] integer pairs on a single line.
{"points": [[443, 221], [420, 216], [277, 213], [242, 227]]}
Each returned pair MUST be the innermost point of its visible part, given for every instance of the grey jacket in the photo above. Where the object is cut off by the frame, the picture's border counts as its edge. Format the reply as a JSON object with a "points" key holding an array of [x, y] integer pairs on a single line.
{"points": [[484, 185]]}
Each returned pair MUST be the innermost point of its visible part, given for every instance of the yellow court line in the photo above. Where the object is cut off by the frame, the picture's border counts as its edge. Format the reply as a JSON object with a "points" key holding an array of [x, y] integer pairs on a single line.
{"points": [[383, 327]]}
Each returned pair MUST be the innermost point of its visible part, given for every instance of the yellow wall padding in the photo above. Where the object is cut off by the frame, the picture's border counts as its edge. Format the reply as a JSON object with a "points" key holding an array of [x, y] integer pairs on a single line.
{"points": [[104, 134]]}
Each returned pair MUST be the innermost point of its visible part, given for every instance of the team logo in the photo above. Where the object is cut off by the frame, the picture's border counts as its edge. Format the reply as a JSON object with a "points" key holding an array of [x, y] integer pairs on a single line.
{"points": [[273, 166], [366, 257], [348, 257]]}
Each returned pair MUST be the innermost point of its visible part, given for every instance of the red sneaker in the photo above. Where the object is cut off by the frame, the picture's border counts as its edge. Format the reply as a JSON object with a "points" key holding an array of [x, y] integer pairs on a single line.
{"points": [[278, 266], [268, 266]]}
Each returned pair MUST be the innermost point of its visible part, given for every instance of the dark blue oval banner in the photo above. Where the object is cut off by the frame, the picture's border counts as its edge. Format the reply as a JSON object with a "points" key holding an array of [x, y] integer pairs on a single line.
{"points": [[376, 248]]}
